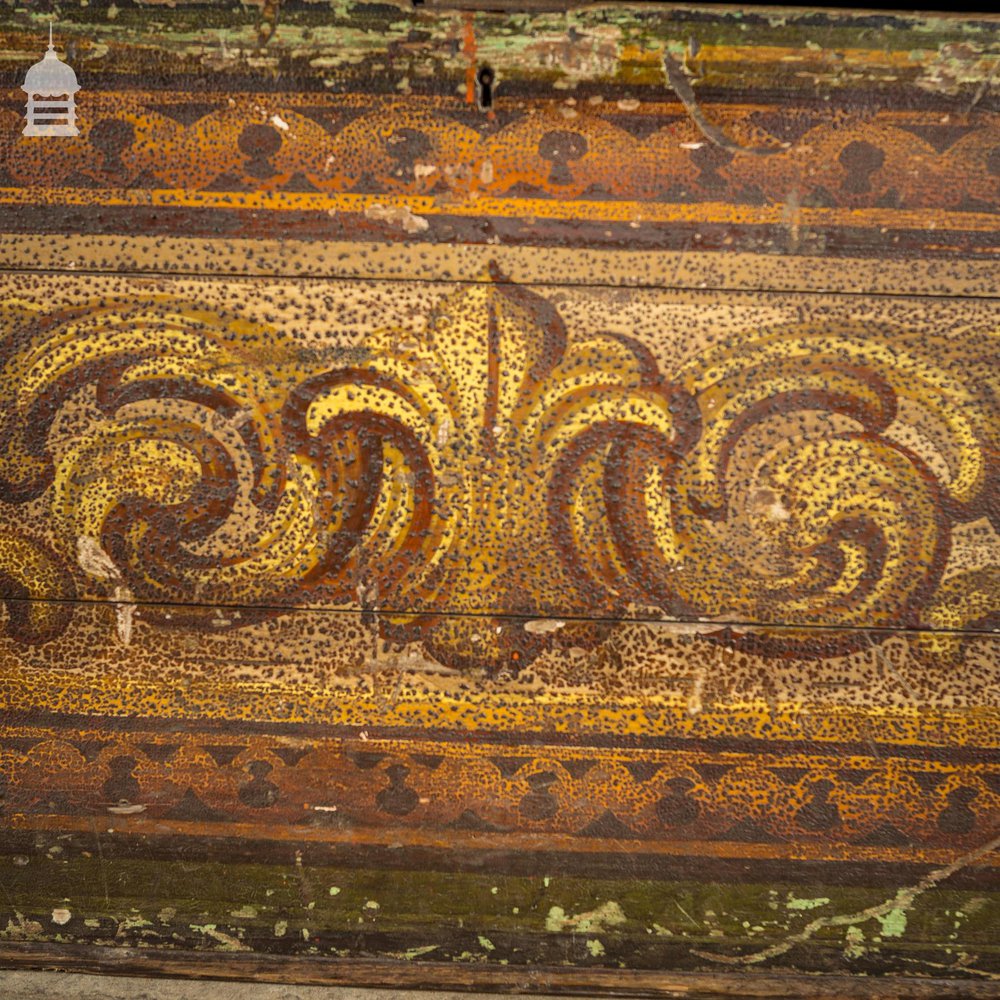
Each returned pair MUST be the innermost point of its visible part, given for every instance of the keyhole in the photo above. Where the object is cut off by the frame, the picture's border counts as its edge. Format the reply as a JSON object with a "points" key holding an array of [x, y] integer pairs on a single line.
{"points": [[484, 87]]}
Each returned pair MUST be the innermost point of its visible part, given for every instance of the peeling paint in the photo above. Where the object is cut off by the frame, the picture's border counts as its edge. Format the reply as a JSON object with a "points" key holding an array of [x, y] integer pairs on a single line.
{"points": [[629, 166], [806, 904], [893, 923], [397, 215], [609, 914], [854, 943]]}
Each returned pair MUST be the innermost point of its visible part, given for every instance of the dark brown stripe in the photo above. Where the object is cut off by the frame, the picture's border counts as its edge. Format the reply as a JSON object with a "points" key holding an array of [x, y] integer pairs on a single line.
{"points": [[97, 220], [614, 865], [520, 738]]}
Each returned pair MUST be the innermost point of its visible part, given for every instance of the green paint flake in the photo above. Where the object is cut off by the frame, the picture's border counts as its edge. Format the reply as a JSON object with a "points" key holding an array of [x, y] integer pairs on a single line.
{"points": [[412, 953], [244, 912], [609, 914], [208, 893], [854, 941], [226, 941], [280, 928], [806, 904], [893, 923], [134, 922], [595, 947], [485, 942], [556, 920], [334, 890]]}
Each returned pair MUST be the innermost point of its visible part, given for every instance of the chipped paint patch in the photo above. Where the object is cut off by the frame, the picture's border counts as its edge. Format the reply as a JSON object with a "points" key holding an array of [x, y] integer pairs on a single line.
{"points": [[542, 626], [226, 941], [893, 923], [397, 215], [854, 943], [609, 914], [22, 929], [806, 904], [956, 67]]}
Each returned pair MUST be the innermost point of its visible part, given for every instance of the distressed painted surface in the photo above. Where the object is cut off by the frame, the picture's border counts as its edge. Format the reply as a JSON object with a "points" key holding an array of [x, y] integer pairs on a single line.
{"points": [[337, 45], [874, 802], [492, 450], [500, 537], [675, 130], [557, 172], [314, 908]]}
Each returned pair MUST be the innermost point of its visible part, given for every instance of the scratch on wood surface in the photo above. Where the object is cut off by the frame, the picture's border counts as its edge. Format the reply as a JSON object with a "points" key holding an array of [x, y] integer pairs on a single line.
{"points": [[94, 561], [889, 667], [679, 83], [959, 965], [897, 904], [984, 87]]}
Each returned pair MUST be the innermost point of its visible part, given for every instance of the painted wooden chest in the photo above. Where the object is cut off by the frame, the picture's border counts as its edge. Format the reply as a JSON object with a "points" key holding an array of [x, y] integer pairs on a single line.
{"points": [[501, 499]]}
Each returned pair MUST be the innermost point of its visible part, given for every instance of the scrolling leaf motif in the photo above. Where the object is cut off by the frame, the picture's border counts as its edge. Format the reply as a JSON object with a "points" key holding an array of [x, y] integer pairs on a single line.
{"points": [[496, 428], [810, 496], [488, 467]]}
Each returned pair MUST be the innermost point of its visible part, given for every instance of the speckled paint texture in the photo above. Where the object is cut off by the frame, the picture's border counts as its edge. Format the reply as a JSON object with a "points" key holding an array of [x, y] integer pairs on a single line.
{"points": [[451, 535]]}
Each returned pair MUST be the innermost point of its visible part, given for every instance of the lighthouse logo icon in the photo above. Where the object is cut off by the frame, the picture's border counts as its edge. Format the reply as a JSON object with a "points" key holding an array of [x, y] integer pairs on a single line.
{"points": [[51, 87]]}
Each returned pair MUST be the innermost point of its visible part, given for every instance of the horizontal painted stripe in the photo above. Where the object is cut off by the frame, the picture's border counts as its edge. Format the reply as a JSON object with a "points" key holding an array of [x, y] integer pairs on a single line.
{"points": [[452, 839], [538, 208], [694, 269]]}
